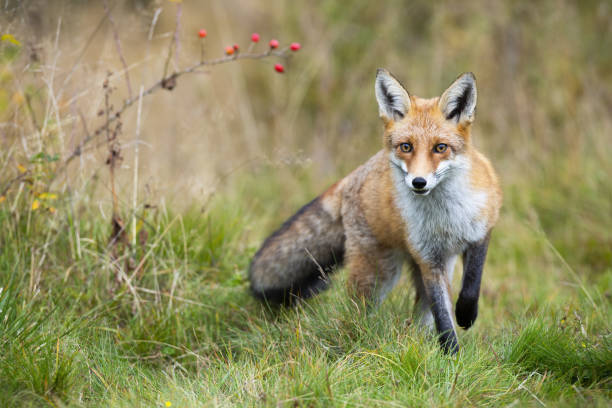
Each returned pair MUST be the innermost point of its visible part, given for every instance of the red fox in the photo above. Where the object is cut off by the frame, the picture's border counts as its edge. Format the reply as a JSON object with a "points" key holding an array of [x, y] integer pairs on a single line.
{"points": [[425, 198]]}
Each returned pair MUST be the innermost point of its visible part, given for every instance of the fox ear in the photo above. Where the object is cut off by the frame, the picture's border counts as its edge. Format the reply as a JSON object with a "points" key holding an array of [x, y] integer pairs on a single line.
{"points": [[393, 100], [458, 102]]}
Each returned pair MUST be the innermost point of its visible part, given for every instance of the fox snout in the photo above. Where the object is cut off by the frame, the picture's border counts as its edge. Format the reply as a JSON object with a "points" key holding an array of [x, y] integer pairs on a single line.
{"points": [[419, 183], [419, 186]]}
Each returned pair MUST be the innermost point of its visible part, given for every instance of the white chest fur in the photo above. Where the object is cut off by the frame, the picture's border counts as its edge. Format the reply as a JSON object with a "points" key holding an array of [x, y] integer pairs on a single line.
{"points": [[443, 222]]}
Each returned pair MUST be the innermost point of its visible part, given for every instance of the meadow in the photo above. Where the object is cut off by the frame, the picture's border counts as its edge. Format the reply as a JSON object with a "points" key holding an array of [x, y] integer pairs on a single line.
{"points": [[125, 244]]}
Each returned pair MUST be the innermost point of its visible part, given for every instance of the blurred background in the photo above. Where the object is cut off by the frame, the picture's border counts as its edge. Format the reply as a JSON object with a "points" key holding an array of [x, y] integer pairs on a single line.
{"points": [[272, 141]]}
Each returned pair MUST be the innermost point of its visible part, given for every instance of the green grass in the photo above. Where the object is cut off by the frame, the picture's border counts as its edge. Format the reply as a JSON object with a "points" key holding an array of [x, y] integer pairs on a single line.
{"points": [[191, 334]]}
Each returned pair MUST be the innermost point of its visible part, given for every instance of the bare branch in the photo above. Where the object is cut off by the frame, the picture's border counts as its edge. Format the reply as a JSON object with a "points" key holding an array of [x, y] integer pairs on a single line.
{"points": [[164, 83], [82, 53], [118, 45], [8, 185]]}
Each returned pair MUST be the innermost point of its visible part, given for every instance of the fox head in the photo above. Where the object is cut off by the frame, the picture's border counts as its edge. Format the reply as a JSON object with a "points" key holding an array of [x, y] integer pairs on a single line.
{"points": [[426, 138]]}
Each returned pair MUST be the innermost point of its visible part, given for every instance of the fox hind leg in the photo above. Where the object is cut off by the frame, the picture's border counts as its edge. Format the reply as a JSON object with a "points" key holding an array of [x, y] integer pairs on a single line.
{"points": [[373, 273]]}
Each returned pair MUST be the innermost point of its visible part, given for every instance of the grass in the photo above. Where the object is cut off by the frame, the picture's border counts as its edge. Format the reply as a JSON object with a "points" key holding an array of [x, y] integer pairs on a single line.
{"points": [[197, 338], [228, 155]]}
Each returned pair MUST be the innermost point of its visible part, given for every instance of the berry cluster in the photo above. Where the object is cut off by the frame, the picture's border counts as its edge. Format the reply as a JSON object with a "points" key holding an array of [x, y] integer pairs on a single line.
{"points": [[273, 44]]}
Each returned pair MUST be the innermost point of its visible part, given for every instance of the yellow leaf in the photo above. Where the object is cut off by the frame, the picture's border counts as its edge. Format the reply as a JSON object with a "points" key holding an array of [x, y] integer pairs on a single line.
{"points": [[17, 98], [52, 210], [35, 204], [2, 198], [47, 196], [10, 38], [21, 168]]}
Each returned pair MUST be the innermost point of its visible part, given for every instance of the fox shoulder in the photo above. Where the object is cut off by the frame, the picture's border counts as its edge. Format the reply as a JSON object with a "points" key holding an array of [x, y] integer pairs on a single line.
{"points": [[484, 178]]}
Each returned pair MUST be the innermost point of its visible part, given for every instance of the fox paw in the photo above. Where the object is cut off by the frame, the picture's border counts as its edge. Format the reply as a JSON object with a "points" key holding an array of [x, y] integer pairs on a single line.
{"points": [[466, 312], [448, 342]]}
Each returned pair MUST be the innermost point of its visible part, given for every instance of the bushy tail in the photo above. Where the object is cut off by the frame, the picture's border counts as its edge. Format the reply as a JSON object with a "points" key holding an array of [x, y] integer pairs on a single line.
{"points": [[294, 261]]}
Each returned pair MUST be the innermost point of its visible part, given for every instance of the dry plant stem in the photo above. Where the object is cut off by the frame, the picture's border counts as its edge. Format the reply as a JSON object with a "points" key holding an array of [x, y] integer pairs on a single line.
{"points": [[168, 58], [177, 27], [135, 193], [118, 45], [152, 28], [174, 42], [118, 234], [111, 152], [82, 53], [6, 188], [160, 84]]}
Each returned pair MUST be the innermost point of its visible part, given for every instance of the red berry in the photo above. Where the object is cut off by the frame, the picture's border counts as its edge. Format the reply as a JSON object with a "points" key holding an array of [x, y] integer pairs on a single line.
{"points": [[236, 47], [202, 33], [273, 44], [279, 68], [295, 46], [229, 50], [255, 37]]}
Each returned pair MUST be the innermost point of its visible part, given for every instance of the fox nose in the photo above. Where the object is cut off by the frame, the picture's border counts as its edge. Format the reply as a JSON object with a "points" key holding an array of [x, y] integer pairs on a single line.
{"points": [[419, 182]]}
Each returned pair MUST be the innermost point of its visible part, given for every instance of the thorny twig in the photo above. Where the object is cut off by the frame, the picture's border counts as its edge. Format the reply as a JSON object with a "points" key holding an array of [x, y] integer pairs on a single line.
{"points": [[166, 83]]}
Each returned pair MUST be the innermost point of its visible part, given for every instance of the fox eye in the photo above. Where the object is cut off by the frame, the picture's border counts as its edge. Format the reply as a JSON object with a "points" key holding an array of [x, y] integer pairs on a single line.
{"points": [[405, 147], [440, 148]]}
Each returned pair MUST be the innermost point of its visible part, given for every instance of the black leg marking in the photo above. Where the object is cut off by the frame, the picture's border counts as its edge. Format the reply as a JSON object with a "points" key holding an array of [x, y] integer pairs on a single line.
{"points": [[442, 317], [474, 257]]}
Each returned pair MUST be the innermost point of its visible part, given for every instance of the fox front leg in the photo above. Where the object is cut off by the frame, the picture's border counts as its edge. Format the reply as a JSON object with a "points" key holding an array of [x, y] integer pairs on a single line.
{"points": [[437, 288], [473, 264]]}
